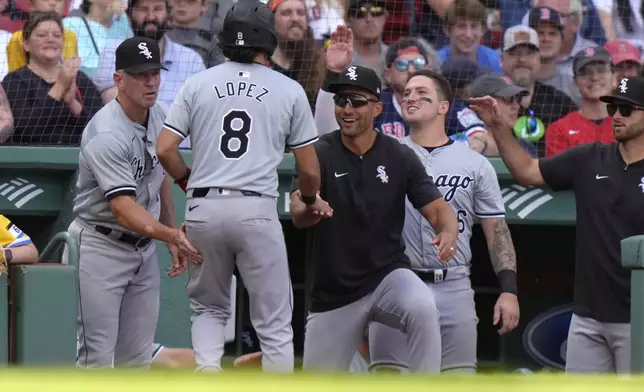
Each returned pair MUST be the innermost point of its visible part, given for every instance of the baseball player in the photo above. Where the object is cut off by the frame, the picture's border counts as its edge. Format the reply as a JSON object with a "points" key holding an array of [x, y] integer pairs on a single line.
{"points": [[469, 184], [123, 203], [240, 116]]}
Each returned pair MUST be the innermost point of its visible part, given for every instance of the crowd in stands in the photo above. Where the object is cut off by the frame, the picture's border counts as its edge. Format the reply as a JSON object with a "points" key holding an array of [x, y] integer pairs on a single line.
{"points": [[57, 59]]}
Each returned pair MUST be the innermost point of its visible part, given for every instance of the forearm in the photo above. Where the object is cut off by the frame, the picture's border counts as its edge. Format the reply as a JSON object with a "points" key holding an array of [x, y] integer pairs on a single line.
{"points": [[500, 246], [167, 215], [299, 216], [173, 163], [446, 221], [137, 219], [27, 254], [76, 108], [515, 157]]}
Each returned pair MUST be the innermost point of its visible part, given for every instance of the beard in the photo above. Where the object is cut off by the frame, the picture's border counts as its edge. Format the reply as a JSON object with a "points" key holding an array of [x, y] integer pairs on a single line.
{"points": [[157, 34], [629, 133], [522, 77]]}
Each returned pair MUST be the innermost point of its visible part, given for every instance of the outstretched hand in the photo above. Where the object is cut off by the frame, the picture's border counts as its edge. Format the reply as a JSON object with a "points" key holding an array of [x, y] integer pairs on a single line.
{"points": [[340, 50], [488, 110]]}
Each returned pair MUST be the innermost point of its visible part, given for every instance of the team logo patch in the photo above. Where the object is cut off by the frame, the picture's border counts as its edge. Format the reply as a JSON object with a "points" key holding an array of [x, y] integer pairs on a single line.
{"points": [[382, 174], [145, 51], [351, 73], [622, 86], [641, 184], [544, 339], [590, 52], [545, 13]]}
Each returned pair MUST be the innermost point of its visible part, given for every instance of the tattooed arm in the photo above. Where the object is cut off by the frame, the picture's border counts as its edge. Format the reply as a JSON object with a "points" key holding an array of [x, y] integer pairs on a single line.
{"points": [[499, 243], [484, 144], [504, 262]]}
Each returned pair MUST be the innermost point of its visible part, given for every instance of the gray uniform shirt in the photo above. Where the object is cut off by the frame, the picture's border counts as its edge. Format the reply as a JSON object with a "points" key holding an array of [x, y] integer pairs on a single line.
{"points": [[118, 157], [469, 184], [240, 118]]}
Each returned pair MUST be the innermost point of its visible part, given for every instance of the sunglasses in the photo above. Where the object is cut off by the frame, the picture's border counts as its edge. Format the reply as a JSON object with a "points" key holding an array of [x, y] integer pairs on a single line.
{"points": [[624, 109], [362, 11], [355, 100], [402, 65]]}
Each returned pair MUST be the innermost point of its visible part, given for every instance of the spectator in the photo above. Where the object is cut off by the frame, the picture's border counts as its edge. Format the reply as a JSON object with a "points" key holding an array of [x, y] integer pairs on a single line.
{"points": [[15, 50], [102, 21], [572, 14], [465, 22], [549, 25], [51, 102], [622, 20], [402, 59], [213, 18], [367, 20], [15, 246], [6, 117], [460, 72], [544, 104], [148, 19], [324, 16], [297, 54], [591, 123], [186, 31], [627, 61]]}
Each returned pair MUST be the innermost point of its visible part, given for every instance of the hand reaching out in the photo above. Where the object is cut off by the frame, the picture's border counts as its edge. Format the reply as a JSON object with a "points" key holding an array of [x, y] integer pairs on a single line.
{"points": [[340, 51]]}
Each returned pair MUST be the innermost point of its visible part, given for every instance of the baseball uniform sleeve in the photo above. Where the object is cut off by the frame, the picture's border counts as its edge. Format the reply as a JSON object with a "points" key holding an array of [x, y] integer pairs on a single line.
{"points": [[303, 130], [421, 190], [488, 202], [559, 171], [108, 158], [178, 119]]}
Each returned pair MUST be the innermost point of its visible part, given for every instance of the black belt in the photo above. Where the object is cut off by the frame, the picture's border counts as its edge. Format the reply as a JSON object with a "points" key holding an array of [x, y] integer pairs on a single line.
{"points": [[203, 192], [432, 276], [139, 242]]}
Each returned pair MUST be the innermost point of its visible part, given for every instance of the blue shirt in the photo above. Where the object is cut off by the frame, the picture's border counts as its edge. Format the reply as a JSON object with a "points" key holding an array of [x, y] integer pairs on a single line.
{"points": [[390, 121], [487, 58], [89, 49]]}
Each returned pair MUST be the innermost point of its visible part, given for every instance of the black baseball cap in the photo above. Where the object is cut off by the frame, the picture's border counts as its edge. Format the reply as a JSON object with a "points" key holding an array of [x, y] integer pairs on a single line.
{"points": [[545, 15], [628, 90], [138, 54], [593, 54], [357, 76], [496, 86]]}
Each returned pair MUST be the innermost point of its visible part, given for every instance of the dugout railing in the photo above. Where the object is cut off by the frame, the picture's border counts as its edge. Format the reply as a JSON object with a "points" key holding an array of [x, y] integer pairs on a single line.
{"points": [[37, 191]]}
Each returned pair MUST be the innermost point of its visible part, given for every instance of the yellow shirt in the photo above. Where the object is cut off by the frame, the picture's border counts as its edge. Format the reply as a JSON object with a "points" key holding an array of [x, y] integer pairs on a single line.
{"points": [[10, 235], [16, 54]]}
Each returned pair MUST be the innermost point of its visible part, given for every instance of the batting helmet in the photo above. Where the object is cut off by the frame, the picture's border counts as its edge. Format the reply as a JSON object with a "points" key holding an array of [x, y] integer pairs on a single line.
{"points": [[249, 24]]}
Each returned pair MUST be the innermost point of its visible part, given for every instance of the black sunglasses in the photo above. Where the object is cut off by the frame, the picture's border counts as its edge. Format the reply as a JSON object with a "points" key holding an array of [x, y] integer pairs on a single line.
{"points": [[363, 11], [355, 100], [624, 109], [402, 65]]}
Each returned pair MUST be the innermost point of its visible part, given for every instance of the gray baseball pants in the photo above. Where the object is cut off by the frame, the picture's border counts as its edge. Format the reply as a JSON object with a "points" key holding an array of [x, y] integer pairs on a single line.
{"points": [[118, 300], [594, 347], [231, 229], [401, 301], [454, 299]]}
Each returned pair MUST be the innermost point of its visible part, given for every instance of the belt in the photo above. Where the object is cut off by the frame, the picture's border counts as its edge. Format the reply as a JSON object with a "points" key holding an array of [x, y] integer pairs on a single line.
{"points": [[203, 192], [139, 242], [432, 276]]}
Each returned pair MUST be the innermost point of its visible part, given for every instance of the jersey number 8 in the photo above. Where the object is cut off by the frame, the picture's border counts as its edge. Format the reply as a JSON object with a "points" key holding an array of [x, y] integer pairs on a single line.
{"points": [[236, 126]]}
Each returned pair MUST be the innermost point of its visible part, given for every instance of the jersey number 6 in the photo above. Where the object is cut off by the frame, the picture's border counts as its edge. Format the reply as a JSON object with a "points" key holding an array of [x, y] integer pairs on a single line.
{"points": [[236, 125], [460, 215]]}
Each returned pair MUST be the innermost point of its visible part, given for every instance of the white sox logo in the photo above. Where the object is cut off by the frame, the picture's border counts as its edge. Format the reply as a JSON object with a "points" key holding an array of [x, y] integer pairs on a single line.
{"points": [[641, 184], [382, 174], [351, 73], [453, 182], [144, 50], [622, 86]]}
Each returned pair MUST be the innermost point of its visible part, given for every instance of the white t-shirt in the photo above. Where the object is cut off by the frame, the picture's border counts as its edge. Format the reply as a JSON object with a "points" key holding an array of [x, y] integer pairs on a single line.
{"points": [[610, 7]]}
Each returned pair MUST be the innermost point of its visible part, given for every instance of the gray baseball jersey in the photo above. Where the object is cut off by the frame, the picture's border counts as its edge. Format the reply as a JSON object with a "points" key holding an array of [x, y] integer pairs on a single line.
{"points": [[118, 157], [240, 118], [469, 184]]}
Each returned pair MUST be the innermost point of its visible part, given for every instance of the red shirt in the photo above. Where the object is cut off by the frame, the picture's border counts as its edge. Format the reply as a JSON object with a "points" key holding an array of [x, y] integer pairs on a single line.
{"points": [[574, 129]]}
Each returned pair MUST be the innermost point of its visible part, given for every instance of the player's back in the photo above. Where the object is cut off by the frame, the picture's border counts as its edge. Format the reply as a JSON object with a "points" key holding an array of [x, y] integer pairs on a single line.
{"points": [[241, 118]]}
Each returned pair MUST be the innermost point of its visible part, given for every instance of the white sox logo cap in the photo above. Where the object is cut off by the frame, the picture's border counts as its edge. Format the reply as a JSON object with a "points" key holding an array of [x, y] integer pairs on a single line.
{"points": [[628, 90], [357, 76], [138, 54]]}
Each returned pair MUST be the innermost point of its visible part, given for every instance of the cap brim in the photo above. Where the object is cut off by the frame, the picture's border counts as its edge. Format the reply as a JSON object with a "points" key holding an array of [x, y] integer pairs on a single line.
{"points": [[620, 59], [511, 91], [619, 99], [135, 69], [526, 43], [338, 87], [589, 60]]}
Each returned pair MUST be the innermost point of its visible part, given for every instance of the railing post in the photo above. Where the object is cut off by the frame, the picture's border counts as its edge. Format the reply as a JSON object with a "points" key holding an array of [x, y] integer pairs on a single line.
{"points": [[73, 248], [633, 259]]}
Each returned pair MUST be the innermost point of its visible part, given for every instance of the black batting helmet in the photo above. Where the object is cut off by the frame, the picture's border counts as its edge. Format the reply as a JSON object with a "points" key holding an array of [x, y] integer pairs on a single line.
{"points": [[249, 24]]}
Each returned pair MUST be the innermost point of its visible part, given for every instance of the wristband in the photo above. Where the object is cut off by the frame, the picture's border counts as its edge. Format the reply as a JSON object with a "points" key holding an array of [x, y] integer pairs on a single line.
{"points": [[8, 255], [308, 200], [185, 176], [508, 281], [329, 78]]}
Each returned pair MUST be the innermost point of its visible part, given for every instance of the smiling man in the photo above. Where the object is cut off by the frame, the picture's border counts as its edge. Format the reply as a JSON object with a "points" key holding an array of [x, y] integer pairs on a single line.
{"points": [[591, 123]]}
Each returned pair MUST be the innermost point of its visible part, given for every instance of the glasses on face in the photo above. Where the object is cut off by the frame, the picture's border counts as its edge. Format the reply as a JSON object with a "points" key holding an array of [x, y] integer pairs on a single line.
{"points": [[363, 11], [624, 109], [402, 65], [511, 100], [355, 100]]}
